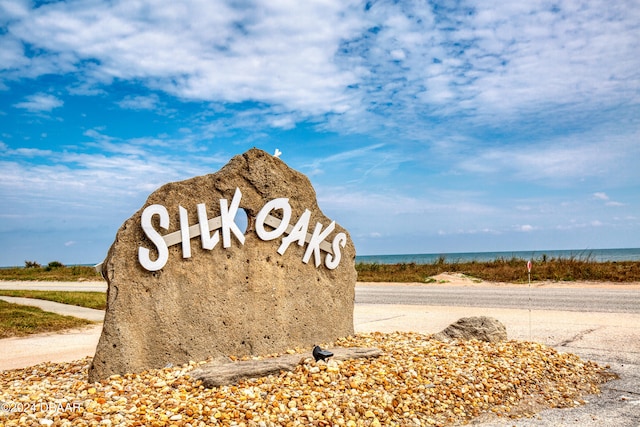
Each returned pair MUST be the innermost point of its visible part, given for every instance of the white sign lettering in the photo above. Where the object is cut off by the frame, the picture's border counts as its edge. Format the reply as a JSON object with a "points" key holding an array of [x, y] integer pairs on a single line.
{"points": [[156, 238], [209, 232], [283, 205]]}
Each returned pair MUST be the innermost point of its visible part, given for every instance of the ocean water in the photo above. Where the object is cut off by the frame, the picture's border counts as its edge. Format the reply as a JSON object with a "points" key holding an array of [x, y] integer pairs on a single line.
{"points": [[600, 255]]}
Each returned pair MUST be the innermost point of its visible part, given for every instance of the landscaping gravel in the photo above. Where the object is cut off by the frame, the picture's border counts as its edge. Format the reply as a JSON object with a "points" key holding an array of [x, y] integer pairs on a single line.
{"points": [[416, 381]]}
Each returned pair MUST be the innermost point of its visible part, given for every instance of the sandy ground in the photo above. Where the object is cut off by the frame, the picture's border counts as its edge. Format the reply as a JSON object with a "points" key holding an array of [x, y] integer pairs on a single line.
{"points": [[459, 279], [70, 345], [39, 285]]}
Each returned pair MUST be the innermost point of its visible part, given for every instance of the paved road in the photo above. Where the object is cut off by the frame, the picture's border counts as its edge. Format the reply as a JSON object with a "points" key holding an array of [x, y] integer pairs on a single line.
{"points": [[599, 300], [603, 300]]}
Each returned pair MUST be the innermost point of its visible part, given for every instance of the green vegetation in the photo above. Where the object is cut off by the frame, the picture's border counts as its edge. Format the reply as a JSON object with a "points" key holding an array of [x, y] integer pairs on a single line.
{"points": [[499, 270], [19, 320], [512, 270], [54, 271], [96, 300]]}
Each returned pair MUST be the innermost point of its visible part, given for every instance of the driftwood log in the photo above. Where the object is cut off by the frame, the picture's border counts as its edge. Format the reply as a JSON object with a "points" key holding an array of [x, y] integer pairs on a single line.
{"points": [[224, 371]]}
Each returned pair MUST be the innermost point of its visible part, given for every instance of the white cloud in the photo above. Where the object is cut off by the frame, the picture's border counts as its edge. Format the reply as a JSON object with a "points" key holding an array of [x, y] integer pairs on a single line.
{"points": [[23, 153], [392, 213], [140, 102], [367, 157], [275, 52], [470, 232], [537, 162], [40, 102], [32, 152], [75, 189], [497, 63], [11, 54], [384, 66], [552, 55], [558, 161], [604, 197]]}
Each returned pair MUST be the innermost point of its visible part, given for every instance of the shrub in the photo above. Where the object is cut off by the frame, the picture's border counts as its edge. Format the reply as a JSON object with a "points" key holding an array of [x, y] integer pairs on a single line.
{"points": [[55, 264]]}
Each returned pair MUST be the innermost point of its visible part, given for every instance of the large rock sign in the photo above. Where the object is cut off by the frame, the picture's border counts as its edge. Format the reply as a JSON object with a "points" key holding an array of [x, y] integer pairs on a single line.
{"points": [[185, 283]]}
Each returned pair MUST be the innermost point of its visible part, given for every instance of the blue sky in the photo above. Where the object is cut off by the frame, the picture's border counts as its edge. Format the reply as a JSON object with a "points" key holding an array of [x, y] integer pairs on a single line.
{"points": [[425, 127]]}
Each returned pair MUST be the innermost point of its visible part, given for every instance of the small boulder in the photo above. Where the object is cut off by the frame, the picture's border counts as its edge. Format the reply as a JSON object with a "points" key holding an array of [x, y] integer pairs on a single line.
{"points": [[481, 328]]}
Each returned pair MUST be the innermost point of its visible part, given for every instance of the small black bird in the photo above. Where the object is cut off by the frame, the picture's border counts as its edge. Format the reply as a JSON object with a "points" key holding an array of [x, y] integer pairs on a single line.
{"points": [[320, 354]]}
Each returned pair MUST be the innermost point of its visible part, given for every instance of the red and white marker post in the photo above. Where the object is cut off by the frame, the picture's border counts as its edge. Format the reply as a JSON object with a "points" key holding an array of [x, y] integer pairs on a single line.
{"points": [[529, 265]]}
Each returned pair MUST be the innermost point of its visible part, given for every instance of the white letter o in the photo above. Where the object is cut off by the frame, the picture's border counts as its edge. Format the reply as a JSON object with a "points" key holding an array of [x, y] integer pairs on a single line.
{"points": [[280, 203]]}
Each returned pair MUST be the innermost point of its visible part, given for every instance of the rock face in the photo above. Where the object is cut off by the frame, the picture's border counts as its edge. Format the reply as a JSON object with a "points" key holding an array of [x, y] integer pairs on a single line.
{"points": [[481, 328], [236, 298]]}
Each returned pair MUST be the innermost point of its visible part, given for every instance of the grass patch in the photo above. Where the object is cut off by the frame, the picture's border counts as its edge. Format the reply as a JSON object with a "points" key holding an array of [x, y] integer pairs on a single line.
{"points": [[19, 320], [511, 270], [52, 272], [96, 300]]}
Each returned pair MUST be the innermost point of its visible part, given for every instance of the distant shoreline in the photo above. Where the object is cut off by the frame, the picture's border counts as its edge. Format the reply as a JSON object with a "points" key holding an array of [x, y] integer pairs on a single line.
{"points": [[598, 255]]}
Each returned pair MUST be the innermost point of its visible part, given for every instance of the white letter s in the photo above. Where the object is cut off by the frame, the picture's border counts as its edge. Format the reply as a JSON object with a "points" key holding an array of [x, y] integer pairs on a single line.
{"points": [[155, 237], [332, 261]]}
